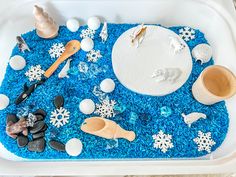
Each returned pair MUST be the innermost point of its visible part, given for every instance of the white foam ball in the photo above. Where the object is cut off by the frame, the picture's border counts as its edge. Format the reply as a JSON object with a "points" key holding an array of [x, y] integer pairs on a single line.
{"points": [[87, 44], [87, 106], [94, 23], [17, 62], [4, 101], [107, 85], [72, 24], [74, 147]]}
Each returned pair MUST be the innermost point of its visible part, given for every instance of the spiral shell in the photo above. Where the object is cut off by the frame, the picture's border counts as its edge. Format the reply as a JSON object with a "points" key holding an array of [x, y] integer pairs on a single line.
{"points": [[202, 52]]}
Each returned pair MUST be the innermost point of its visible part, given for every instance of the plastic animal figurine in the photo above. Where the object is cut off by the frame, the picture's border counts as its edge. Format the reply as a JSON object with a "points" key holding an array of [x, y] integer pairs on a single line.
{"points": [[193, 117], [176, 44], [22, 44], [167, 74], [106, 128], [138, 36], [104, 34], [13, 129], [64, 72]]}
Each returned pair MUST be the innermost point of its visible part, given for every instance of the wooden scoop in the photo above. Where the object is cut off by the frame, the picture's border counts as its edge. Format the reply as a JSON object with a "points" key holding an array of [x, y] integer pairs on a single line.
{"points": [[70, 49]]}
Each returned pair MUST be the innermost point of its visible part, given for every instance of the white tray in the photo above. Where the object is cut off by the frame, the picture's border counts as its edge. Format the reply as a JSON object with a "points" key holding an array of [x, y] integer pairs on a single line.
{"points": [[216, 18]]}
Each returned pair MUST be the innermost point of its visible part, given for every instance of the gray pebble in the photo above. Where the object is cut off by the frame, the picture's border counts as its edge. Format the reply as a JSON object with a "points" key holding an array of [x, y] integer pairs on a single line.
{"points": [[37, 145], [22, 141], [40, 112], [57, 145], [39, 117], [38, 126], [12, 118], [38, 135], [59, 101], [44, 128]]}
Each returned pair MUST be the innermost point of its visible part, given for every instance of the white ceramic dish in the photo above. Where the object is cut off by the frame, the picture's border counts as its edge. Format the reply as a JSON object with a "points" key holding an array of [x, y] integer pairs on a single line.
{"points": [[216, 18]]}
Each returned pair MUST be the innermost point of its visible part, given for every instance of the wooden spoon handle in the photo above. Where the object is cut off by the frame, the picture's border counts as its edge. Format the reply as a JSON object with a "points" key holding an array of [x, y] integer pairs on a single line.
{"points": [[71, 48]]}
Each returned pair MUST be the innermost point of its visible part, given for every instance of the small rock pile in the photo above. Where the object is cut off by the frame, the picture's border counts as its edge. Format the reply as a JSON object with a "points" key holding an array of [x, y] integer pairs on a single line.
{"points": [[37, 142]]}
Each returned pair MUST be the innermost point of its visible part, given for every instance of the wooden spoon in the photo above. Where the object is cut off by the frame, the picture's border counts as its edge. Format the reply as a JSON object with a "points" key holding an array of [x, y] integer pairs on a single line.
{"points": [[70, 49]]}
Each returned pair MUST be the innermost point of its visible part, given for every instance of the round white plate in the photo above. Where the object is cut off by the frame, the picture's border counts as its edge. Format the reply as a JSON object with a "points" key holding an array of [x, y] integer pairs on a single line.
{"points": [[134, 66]]}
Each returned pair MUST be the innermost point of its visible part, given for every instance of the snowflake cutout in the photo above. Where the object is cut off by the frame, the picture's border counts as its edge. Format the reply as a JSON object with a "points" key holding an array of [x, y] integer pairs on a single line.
{"points": [[187, 33], [59, 117], [56, 50], [35, 73], [94, 55], [87, 33], [162, 141], [31, 120], [106, 108], [204, 141]]}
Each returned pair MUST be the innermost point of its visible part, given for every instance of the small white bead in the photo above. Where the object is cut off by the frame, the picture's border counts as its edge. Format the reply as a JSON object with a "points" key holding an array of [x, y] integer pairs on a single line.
{"points": [[17, 62], [107, 85], [72, 24], [4, 101], [94, 23], [87, 106], [87, 44], [74, 147]]}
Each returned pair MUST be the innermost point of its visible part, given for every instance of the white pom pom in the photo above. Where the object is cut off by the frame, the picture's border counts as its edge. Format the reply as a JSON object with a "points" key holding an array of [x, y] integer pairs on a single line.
{"points": [[74, 147], [17, 62], [107, 85], [94, 23], [87, 44], [87, 106], [72, 24], [4, 101]]}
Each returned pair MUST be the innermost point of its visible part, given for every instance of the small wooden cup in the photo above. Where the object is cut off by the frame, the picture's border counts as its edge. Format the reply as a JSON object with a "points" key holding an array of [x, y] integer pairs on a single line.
{"points": [[215, 83]]}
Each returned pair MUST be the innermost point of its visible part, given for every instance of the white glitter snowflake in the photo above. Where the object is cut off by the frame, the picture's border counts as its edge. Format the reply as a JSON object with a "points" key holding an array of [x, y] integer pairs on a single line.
{"points": [[187, 33], [162, 141], [94, 55], [56, 50], [87, 33], [204, 141], [59, 117], [35, 73], [106, 108]]}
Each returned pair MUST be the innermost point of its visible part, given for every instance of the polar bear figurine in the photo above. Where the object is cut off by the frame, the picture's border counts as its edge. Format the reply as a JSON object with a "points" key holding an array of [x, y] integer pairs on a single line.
{"points": [[167, 74], [176, 44]]}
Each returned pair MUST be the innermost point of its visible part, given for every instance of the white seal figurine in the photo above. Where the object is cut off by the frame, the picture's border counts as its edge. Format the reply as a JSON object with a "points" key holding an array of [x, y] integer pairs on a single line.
{"points": [[64, 72], [176, 44], [167, 74], [193, 117]]}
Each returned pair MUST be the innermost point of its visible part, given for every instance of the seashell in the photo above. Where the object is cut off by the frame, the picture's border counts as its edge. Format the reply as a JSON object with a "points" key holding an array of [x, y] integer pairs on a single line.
{"points": [[87, 44], [17, 62], [87, 106], [202, 52], [193, 117], [107, 85], [72, 25], [4, 101], [94, 23]]}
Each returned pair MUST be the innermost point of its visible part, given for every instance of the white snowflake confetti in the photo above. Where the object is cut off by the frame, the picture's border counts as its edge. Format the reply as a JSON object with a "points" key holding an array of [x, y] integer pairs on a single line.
{"points": [[94, 55], [59, 117], [87, 33], [162, 141], [106, 108], [35, 73], [204, 141], [56, 50], [187, 33]]}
